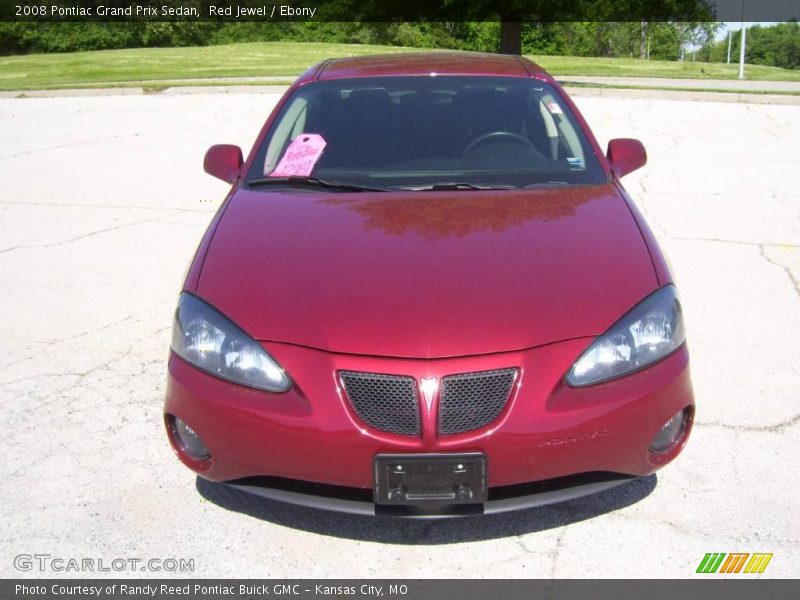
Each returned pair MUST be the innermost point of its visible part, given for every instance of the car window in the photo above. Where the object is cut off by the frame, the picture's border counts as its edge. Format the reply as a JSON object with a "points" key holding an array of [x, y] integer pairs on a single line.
{"points": [[409, 132], [290, 126]]}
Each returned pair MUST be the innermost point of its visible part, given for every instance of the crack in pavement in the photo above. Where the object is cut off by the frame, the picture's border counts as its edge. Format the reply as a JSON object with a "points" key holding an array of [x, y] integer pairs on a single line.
{"points": [[174, 213], [522, 545], [737, 242], [658, 229], [776, 428], [694, 531], [108, 206], [58, 147], [83, 374], [93, 139], [556, 553], [112, 324], [86, 333], [58, 396], [40, 377], [795, 283], [514, 558], [780, 200]]}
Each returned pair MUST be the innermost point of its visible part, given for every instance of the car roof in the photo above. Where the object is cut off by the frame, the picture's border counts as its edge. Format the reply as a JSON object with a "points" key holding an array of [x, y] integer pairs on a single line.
{"points": [[425, 63]]}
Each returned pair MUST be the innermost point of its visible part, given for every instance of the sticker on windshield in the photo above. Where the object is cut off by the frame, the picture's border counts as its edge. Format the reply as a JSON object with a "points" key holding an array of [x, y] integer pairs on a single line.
{"points": [[554, 108], [575, 162], [301, 156]]}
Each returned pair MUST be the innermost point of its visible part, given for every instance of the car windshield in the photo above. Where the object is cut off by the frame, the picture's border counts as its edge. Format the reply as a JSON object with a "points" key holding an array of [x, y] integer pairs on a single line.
{"points": [[425, 132]]}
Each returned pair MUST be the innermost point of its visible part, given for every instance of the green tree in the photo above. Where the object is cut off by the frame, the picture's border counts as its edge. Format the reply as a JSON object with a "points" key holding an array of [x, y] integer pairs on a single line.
{"points": [[775, 46]]}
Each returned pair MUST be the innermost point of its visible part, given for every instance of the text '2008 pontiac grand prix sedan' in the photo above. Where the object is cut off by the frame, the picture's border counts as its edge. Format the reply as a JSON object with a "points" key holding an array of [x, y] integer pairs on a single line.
{"points": [[427, 294]]}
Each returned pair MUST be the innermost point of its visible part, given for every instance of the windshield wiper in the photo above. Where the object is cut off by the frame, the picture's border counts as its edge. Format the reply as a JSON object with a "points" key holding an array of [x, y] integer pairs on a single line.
{"points": [[545, 184], [449, 186], [315, 182]]}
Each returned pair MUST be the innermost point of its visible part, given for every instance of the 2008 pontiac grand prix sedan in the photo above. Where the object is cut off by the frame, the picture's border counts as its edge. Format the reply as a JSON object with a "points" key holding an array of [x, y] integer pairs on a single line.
{"points": [[427, 294]]}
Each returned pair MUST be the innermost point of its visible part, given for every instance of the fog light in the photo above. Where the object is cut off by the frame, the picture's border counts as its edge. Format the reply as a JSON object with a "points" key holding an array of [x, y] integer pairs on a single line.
{"points": [[189, 441], [671, 433]]}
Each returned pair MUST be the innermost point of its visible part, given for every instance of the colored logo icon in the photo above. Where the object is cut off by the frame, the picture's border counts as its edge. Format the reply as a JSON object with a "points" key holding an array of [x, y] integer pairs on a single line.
{"points": [[736, 562]]}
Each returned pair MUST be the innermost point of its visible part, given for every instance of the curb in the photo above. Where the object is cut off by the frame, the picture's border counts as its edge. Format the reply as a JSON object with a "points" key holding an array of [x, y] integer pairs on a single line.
{"points": [[579, 91]]}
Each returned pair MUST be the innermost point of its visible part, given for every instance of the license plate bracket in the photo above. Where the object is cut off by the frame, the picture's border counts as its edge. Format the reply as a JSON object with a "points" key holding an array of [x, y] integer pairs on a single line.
{"points": [[420, 479]]}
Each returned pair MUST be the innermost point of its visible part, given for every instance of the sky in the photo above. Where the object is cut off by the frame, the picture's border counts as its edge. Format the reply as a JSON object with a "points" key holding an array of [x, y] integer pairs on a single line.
{"points": [[735, 26]]}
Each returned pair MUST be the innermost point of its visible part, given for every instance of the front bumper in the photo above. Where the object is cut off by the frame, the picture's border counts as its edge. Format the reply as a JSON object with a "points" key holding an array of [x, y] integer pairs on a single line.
{"points": [[501, 499], [574, 441]]}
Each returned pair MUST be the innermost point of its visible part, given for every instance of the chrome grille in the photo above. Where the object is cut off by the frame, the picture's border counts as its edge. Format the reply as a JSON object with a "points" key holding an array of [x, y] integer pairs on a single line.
{"points": [[472, 400], [386, 402]]}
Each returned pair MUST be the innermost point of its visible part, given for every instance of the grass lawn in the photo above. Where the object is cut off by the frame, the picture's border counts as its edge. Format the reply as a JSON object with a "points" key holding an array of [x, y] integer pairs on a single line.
{"points": [[282, 61], [632, 67]]}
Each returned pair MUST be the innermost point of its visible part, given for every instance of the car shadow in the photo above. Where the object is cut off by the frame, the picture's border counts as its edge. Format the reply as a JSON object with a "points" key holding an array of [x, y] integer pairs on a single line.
{"points": [[441, 531]]}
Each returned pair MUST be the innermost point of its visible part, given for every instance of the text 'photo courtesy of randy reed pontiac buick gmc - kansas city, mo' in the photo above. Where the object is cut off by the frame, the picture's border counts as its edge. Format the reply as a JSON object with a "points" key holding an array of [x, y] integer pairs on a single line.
{"points": [[427, 294]]}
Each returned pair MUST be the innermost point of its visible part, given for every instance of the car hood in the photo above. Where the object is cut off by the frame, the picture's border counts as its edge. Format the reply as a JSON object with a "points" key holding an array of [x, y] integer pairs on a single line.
{"points": [[426, 274]]}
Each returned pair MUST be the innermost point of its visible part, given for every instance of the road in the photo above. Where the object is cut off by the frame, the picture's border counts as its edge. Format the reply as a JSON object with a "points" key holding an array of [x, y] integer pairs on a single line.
{"points": [[722, 90], [103, 201], [746, 85]]}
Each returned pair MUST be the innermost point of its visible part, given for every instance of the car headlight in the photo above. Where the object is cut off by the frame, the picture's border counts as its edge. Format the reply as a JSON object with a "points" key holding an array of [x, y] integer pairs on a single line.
{"points": [[647, 333], [213, 343]]}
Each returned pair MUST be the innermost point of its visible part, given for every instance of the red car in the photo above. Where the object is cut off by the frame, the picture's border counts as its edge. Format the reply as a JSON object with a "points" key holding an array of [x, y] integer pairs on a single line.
{"points": [[427, 294]]}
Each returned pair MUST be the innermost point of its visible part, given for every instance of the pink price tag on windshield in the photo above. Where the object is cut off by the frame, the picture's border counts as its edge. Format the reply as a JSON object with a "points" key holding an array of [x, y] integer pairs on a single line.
{"points": [[301, 156]]}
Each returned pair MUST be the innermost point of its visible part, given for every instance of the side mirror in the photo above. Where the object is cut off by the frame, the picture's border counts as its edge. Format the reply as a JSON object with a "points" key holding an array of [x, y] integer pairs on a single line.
{"points": [[625, 155], [223, 161]]}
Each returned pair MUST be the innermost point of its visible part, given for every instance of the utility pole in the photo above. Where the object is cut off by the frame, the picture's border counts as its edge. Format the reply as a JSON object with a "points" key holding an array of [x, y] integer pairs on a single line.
{"points": [[730, 37], [741, 47]]}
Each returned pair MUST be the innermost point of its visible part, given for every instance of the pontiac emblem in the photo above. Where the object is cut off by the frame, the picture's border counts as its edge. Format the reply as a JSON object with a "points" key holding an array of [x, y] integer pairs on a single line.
{"points": [[428, 387]]}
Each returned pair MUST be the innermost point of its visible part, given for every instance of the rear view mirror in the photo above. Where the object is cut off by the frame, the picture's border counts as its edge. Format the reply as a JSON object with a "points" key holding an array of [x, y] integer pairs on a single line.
{"points": [[625, 155], [224, 161]]}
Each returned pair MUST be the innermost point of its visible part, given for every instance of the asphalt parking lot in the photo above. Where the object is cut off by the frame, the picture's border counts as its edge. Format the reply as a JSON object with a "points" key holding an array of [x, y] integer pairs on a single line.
{"points": [[103, 202]]}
